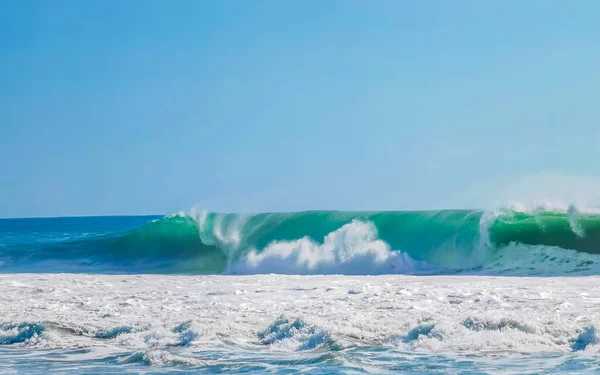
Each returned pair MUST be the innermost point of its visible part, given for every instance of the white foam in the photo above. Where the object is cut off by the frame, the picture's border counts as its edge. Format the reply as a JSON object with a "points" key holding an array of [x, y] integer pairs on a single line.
{"points": [[187, 314], [517, 259], [352, 249]]}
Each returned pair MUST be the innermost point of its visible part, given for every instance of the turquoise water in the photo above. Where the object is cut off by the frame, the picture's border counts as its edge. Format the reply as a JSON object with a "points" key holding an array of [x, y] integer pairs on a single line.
{"points": [[351, 361], [69, 308], [420, 242]]}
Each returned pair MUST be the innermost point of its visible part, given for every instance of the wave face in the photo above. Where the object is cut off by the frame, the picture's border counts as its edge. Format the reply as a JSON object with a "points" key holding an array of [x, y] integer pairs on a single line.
{"points": [[316, 242]]}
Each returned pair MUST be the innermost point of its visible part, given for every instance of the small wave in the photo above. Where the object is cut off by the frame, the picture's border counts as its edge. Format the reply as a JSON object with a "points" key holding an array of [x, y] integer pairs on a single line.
{"points": [[296, 335], [113, 333], [422, 330], [11, 333], [588, 336]]}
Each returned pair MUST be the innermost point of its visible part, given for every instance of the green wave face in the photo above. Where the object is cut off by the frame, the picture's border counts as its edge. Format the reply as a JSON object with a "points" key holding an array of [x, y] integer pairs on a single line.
{"points": [[330, 242], [576, 232], [419, 234]]}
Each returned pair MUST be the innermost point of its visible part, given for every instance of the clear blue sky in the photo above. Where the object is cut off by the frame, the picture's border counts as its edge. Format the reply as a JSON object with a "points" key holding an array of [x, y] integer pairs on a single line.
{"points": [[134, 107]]}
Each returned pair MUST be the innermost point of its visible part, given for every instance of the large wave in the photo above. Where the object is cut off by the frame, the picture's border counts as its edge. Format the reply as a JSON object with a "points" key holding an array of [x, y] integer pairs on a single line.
{"points": [[504, 241]]}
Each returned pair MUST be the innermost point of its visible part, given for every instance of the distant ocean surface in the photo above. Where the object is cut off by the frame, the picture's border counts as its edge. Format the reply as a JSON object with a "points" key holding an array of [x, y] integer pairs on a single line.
{"points": [[451, 291]]}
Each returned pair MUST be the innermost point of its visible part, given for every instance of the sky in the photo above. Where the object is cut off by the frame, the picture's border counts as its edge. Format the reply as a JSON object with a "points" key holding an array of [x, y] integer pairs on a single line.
{"points": [[151, 107]]}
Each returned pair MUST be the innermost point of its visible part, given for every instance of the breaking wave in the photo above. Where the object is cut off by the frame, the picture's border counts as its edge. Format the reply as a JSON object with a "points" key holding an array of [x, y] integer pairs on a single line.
{"points": [[505, 241]]}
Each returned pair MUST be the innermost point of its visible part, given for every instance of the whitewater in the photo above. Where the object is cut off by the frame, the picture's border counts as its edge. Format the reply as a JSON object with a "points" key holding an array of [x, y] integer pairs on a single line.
{"points": [[451, 291]]}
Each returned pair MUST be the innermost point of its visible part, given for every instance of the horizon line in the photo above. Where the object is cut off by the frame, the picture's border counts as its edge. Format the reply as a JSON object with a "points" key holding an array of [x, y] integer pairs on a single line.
{"points": [[228, 213]]}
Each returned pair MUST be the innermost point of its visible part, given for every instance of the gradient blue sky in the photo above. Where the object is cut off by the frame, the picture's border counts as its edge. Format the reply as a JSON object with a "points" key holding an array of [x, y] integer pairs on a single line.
{"points": [[133, 107]]}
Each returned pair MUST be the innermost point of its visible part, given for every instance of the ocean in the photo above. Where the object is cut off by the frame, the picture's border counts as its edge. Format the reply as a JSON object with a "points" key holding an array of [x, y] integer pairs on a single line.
{"points": [[502, 291]]}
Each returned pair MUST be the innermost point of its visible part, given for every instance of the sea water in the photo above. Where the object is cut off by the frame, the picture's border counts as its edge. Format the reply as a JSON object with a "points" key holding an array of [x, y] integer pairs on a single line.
{"points": [[451, 292]]}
